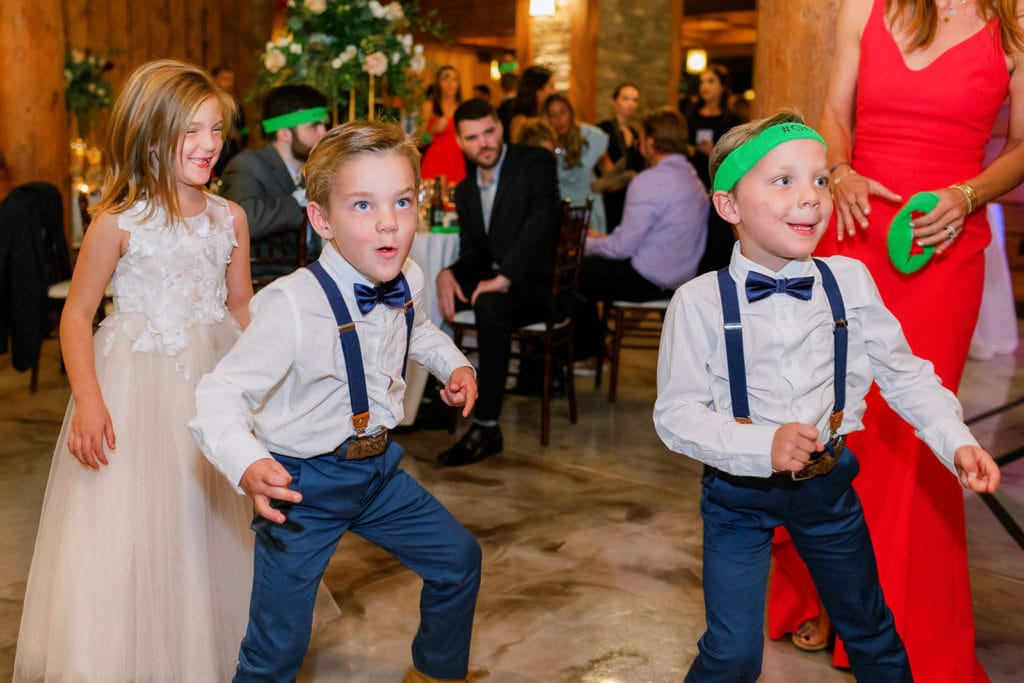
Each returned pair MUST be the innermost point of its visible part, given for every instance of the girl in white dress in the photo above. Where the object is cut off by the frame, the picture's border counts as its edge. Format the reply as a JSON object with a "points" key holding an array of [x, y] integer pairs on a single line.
{"points": [[143, 560]]}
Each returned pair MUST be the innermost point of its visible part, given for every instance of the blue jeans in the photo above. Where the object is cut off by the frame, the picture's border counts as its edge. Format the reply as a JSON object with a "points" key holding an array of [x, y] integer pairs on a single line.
{"points": [[824, 517], [380, 502]]}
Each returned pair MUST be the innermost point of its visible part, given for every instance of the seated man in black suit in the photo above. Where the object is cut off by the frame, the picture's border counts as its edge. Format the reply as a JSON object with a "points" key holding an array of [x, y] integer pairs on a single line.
{"points": [[267, 183], [508, 212]]}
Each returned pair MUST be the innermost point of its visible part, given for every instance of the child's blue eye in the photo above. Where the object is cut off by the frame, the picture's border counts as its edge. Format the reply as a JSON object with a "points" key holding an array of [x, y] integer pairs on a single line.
{"points": [[784, 180], [404, 203], [362, 206], [821, 181]]}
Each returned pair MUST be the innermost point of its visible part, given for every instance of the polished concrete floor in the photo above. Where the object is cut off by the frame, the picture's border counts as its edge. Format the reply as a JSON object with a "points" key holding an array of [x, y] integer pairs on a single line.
{"points": [[591, 545]]}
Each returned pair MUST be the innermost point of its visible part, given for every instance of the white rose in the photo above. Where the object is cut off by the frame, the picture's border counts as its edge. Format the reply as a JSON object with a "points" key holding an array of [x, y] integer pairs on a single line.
{"points": [[393, 11], [418, 63], [350, 52], [406, 39], [295, 48], [274, 60], [395, 57], [376, 64], [337, 62], [376, 9], [316, 6], [418, 49]]}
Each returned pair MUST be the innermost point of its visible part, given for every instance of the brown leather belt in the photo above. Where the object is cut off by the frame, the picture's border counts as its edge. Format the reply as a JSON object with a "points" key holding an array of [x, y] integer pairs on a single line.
{"points": [[370, 446], [823, 461]]}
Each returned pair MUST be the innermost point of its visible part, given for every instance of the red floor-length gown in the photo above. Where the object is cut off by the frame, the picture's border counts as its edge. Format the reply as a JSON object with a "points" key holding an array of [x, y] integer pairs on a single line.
{"points": [[915, 131]]}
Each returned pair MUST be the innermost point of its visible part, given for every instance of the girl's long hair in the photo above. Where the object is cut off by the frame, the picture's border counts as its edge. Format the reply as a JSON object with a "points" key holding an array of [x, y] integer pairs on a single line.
{"points": [[436, 94], [920, 18], [573, 142], [147, 126]]}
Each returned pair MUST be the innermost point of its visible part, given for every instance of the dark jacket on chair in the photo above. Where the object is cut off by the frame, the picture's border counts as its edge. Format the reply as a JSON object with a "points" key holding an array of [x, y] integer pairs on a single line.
{"points": [[33, 256]]}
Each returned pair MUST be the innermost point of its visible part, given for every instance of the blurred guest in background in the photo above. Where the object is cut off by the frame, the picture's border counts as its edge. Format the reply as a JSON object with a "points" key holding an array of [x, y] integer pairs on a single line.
{"points": [[623, 152], [535, 85], [443, 156], [661, 238], [482, 91], [537, 132], [268, 182], [710, 116], [509, 84], [579, 147], [224, 77]]}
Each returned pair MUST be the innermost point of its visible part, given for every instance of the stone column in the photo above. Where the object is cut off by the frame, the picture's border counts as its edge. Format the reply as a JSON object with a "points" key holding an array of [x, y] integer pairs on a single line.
{"points": [[795, 41], [33, 122], [639, 42]]}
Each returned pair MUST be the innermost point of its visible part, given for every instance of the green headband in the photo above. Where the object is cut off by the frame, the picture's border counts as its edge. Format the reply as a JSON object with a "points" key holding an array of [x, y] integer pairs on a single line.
{"points": [[745, 157], [295, 118]]}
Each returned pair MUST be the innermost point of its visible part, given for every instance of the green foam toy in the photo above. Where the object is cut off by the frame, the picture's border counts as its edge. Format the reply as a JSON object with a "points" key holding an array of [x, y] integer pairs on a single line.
{"points": [[901, 234]]}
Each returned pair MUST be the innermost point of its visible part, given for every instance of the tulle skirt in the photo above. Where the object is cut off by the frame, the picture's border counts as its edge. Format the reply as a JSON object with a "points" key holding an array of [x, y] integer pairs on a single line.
{"points": [[142, 570]]}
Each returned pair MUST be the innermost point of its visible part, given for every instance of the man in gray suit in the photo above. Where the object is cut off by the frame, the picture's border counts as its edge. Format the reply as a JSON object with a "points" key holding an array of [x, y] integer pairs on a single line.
{"points": [[267, 183]]}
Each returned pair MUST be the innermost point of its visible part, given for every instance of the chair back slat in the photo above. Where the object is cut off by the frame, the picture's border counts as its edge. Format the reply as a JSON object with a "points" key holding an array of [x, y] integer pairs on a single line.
{"points": [[279, 250], [571, 242]]}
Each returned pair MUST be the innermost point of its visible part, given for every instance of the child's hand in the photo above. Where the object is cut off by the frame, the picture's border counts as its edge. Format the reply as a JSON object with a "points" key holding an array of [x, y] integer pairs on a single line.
{"points": [[792, 446], [266, 479], [460, 389], [91, 427], [976, 468]]}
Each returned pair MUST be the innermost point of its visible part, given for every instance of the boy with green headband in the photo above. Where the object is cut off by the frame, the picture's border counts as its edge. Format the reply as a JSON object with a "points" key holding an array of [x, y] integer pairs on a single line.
{"points": [[763, 385], [267, 182]]}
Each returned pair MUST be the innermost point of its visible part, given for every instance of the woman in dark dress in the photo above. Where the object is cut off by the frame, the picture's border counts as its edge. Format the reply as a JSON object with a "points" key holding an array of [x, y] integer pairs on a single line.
{"points": [[710, 117], [623, 151]]}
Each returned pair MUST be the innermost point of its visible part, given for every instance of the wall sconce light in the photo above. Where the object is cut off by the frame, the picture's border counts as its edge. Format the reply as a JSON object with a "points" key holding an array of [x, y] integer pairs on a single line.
{"points": [[696, 61], [495, 70], [542, 8]]}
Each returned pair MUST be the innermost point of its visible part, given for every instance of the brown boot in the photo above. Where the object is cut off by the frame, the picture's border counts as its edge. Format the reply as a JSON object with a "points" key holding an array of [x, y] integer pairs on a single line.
{"points": [[417, 676]]}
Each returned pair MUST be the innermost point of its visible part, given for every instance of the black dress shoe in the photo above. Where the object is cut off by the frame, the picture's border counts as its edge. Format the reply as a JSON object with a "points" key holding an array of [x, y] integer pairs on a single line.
{"points": [[475, 445]]}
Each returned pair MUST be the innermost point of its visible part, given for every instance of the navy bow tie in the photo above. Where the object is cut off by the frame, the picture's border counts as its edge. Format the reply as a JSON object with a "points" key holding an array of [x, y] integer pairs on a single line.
{"points": [[760, 286], [391, 294]]}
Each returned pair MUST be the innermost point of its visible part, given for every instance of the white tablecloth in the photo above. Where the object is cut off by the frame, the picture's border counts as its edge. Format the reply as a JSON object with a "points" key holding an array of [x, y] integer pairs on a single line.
{"points": [[433, 252]]}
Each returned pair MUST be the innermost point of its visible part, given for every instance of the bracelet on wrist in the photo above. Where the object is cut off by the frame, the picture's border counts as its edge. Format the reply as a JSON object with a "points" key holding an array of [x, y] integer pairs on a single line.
{"points": [[836, 181], [969, 194], [841, 163]]}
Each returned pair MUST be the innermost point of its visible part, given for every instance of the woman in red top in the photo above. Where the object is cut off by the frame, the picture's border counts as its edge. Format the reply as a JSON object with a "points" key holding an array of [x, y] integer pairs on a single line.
{"points": [[443, 156]]}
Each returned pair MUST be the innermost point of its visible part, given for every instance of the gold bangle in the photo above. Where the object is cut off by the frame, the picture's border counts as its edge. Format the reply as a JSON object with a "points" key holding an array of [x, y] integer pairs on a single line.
{"points": [[969, 194], [845, 175]]}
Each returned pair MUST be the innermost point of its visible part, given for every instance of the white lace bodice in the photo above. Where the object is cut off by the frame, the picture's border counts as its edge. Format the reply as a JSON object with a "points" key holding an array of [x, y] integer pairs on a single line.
{"points": [[172, 276]]}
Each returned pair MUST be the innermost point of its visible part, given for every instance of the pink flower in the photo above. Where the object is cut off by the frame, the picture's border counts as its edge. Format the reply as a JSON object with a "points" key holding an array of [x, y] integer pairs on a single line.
{"points": [[316, 6], [376, 64]]}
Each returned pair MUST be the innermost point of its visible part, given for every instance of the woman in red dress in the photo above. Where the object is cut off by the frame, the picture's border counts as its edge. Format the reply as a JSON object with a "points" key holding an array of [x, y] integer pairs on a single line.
{"points": [[924, 81], [443, 156]]}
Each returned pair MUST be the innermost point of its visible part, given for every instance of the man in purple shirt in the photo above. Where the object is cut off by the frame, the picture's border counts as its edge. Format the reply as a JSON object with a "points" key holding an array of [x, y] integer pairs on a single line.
{"points": [[661, 238]]}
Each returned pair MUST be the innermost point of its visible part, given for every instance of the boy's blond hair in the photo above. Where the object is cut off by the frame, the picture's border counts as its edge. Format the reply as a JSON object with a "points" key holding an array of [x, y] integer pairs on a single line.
{"points": [[737, 135], [348, 141], [534, 131], [147, 125]]}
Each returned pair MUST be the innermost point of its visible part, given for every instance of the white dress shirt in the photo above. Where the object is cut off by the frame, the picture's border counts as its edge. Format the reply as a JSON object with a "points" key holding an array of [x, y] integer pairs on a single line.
{"points": [[788, 349], [283, 387]]}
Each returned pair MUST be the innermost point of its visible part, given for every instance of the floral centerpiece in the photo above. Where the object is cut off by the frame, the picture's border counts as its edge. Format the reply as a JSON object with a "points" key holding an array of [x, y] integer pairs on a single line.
{"points": [[86, 90], [351, 50]]}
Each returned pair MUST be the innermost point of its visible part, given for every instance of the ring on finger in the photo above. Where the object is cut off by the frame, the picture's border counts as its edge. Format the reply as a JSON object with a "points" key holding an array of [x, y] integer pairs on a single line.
{"points": [[951, 233]]}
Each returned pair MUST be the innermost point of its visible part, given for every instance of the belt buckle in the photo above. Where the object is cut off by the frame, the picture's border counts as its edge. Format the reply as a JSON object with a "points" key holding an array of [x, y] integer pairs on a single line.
{"points": [[824, 463], [368, 446]]}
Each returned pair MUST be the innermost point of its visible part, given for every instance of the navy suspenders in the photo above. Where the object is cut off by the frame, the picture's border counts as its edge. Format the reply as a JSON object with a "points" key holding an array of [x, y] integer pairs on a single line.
{"points": [[350, 345], [734, 345]]}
